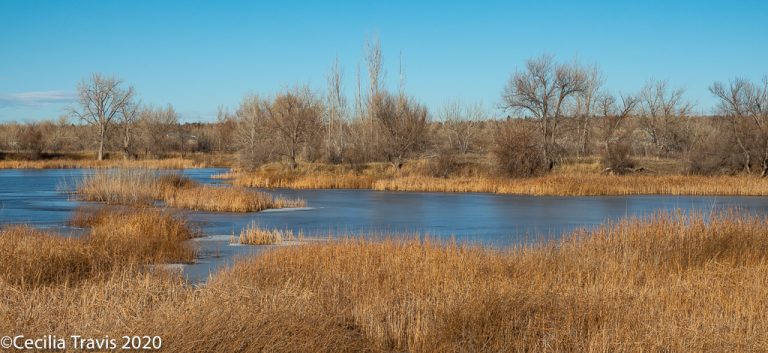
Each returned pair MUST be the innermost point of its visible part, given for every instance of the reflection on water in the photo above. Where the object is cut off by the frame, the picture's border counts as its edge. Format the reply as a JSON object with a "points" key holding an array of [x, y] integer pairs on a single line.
{"points": [[33, 196]]}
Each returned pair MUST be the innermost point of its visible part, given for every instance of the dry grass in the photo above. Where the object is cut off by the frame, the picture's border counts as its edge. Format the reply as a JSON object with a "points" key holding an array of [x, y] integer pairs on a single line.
{"points": [[144, 187], [668, 284], [145, 236], [116, 239], [170, 163], [671, 283], [255, 235], [587, 185], [139, 187], [308, 176], [227, 199], [581, 177]]}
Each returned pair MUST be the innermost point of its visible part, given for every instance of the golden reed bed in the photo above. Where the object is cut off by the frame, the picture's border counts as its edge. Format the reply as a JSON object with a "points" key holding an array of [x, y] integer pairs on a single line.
{"points": [[670, 283], [144, 187], [551, 185]]}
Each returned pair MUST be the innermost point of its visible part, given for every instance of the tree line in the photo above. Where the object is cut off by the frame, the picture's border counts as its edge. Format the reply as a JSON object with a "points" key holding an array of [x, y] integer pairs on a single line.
{"points": [[554, 111]]}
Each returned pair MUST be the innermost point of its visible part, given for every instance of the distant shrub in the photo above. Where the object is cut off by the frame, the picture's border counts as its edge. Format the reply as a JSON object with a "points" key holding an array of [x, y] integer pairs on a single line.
{"points": [[517, 149]]}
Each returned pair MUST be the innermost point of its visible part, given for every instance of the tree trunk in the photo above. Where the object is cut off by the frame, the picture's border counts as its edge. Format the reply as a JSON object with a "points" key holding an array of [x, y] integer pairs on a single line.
{"points": [[101, 144]]}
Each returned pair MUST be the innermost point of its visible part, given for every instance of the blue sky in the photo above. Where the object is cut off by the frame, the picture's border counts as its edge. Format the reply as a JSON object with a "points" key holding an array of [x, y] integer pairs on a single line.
{"points": [[198, 55]]}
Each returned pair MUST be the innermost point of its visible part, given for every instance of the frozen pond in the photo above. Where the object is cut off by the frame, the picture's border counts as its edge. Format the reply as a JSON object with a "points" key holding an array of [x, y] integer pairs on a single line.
{"points": [[33, 197]]}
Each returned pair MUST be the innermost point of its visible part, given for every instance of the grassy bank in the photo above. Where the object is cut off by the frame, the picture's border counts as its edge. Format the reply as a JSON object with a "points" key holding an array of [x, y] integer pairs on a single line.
{"points": [[577, 179], [670, 283], [143, 187]]}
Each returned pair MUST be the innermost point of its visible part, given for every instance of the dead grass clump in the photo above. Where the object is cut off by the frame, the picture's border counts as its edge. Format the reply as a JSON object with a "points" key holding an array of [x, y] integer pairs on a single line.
{"points": [[306, 176], [138, 187], [143, 236], [227, 199], [143, 187], [117, 239], [255, 235]]}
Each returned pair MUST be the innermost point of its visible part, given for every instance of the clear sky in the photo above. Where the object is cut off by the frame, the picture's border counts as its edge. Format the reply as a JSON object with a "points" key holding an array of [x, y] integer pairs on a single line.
{"points": [[198, 55]]}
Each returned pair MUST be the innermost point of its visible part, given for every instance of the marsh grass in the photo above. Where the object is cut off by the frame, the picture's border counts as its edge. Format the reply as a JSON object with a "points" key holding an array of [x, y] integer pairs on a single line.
{"points": [[580, 177], [253, 234], [671, 282], [578, 184], [227, 199], [115, 239], [587, 185], [144, 187]]}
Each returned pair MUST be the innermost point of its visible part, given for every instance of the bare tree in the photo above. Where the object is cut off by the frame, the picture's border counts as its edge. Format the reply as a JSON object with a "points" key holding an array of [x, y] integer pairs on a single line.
{"points": [[461, 125], [251, 135], [129, 115], [224, 131], [101, 100], [156, 128], [373, 59], [336, 114], [543, 91], [586, 102], [616, 139], [402, 124], [745, 107], [296, 120], [663, 111]]}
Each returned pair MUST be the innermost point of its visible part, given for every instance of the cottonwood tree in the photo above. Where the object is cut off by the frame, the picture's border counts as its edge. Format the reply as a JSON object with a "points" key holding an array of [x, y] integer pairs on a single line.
{"points": [[616, 139], [102, 100], [402, 126], [296, 121], [251, 135], [224, 131], [543, 91], [663, 113], [336, 114], [744, 105], [461, 125], [156, 129], [129, 115], [586, 107]]}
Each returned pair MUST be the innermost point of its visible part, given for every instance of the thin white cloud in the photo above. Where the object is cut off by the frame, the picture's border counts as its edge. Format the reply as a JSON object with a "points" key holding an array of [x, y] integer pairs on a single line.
{"points": [[36, 98]]}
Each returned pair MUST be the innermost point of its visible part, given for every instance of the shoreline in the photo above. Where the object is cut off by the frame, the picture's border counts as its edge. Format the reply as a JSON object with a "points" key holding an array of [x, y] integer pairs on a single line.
{"points": [[550, 185]]}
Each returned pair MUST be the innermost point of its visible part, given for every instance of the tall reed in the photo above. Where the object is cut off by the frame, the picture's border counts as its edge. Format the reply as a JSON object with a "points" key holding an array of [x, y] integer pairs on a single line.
{"points": [[144, 187]]}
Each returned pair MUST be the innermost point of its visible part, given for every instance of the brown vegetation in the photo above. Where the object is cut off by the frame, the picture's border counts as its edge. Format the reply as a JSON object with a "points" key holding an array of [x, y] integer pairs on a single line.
{"points": [[587, 185], [143, 187], [669, 283], [255, 235], [572, 179], [115, 240]]}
